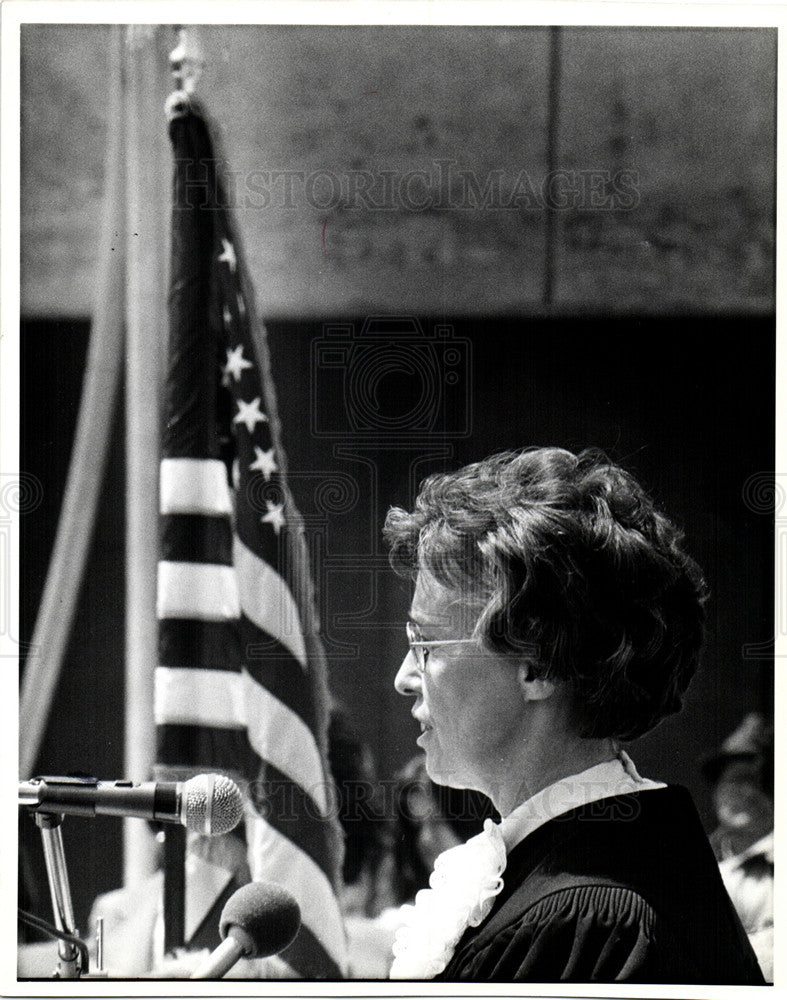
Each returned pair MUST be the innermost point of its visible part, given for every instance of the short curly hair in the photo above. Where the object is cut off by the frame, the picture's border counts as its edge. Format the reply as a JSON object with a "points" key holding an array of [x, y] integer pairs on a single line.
{"points": [[572, 566]]}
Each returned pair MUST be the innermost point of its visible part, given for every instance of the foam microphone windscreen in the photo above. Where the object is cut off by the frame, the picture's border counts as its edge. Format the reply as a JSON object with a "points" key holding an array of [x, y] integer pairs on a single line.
{"points": [[267, 913]]}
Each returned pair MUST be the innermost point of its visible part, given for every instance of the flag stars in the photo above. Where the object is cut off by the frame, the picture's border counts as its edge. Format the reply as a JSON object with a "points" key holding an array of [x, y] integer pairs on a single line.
{"points": [[249, 414], [227, 255], [236, 363], [227, 316], [275, 515], [264, 462]]}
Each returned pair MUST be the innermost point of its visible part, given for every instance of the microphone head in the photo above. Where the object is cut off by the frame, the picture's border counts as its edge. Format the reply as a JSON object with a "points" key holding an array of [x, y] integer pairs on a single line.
{"points": [[211, 804], [267, 912]]}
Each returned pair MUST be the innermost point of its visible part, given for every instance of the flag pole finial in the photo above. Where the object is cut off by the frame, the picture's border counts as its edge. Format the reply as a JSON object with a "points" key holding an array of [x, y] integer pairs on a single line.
{"points": [[186, 61]]}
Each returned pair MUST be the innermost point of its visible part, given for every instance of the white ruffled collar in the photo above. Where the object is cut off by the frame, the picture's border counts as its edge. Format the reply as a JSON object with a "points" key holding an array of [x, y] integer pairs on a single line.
{"points": [[466, 879], [463, 887]]}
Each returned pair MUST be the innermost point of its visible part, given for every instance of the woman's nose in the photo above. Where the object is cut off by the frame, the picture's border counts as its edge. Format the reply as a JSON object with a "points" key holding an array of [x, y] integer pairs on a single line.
{"points": [[408, 677]]}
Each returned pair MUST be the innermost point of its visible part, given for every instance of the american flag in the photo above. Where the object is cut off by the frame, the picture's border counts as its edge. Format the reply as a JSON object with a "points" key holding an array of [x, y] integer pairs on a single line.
{"points": [[241, 685]]}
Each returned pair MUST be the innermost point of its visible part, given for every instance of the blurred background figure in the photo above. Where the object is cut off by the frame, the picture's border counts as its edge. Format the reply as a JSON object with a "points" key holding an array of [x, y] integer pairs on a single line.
{"points": [[742, 777], [423, 820], [360, 812], [428, 820]]}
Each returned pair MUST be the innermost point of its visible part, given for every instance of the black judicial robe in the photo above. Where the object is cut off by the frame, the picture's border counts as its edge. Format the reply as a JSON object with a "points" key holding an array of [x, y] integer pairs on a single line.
{"points": [[625, 889]]}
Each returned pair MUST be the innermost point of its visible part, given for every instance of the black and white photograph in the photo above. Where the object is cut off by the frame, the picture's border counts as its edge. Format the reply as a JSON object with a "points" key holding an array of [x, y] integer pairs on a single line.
{"points": [[392, 523]]}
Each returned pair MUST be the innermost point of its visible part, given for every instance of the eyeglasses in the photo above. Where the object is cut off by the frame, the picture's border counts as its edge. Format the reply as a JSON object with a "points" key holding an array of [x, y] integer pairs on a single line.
{"points": [[421, 646]]}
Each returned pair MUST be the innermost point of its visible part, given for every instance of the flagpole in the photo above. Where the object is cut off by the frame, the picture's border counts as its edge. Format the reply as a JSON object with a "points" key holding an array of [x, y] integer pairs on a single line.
{"points": [[91, 442], [147, 253]]}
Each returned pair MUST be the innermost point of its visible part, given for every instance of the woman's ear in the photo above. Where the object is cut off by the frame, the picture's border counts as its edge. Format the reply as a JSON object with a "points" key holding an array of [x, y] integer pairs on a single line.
{"points": [[533, 688]]}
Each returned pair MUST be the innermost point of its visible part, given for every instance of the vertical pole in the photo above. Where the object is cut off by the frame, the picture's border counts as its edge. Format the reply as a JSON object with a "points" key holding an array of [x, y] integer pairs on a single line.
{"points": [[553, 112], [174, 887], [147, 252], [60, 890], [91, 445]]}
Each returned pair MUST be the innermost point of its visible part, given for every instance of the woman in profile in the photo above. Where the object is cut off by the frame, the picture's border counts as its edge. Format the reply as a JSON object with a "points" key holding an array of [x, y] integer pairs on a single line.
{"points": [[555, 617]]}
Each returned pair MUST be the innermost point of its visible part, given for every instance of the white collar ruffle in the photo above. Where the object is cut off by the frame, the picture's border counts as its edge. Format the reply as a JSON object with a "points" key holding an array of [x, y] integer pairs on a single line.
{"points": [[467, 878]]}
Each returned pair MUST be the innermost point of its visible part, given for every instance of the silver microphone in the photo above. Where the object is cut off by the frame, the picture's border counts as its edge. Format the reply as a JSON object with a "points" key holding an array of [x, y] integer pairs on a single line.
{"points": [[210, 804]]}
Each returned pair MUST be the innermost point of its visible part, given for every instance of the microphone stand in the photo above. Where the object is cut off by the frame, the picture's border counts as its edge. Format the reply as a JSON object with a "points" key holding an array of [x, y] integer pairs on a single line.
{"points": [[174, 888], [57, 873]]}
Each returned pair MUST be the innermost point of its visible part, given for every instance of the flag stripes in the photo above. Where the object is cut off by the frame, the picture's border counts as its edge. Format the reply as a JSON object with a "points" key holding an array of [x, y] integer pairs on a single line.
{"points": [[266, 600], [205, 591], [209, 645], [271, 665], [198, 538], [189, 747], [293, 813], [241, 683], [305, 880], [214, 591], [188, 696], [213, 645], [194, 486]]}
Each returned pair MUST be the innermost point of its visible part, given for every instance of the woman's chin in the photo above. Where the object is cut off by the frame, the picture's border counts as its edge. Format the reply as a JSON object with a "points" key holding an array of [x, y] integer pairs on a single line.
{"points": [[435, 768], [426, 742]]}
